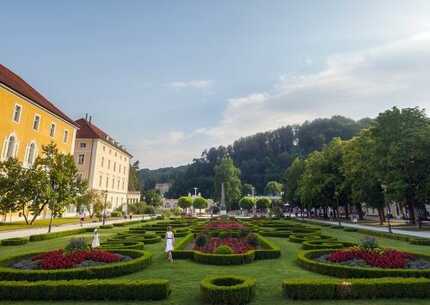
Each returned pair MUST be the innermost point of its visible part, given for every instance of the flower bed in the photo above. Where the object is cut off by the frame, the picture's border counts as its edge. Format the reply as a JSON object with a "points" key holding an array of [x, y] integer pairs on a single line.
{"points": [[237, 245], [59, 259]]}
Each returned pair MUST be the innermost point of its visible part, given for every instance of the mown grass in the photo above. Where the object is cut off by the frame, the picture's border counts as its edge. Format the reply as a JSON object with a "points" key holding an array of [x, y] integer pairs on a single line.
{"points": [[185, 275]]}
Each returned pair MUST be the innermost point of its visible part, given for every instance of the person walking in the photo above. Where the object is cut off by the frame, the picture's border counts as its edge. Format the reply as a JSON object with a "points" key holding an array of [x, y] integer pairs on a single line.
{"points": [[170, 241], [96, 240]]}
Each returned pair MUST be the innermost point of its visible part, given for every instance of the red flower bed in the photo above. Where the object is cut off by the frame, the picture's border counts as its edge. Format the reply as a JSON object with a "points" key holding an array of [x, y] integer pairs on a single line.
{"points": [[60, 260], [376, 258], [224, 225], [236, 244]]}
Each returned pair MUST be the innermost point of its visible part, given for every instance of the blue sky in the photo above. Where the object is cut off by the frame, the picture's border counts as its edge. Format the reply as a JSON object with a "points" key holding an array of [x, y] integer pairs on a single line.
{"points": [[171, 78]]}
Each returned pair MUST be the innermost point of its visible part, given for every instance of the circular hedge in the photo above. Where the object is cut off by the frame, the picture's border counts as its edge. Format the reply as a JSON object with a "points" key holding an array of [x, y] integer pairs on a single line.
{"points": [[321, 244], [227, 290], [140, 260], [14, 241], [306, 259]]}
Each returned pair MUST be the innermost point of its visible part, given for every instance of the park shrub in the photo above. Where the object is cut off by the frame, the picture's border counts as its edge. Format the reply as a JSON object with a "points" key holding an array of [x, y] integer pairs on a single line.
{"points": [[125, 244], [53, 235], [109, 226], [14, 241], [303, 289], [150, 289], [307, 260], [223, 249], [227, 290], [420, 241], [350, 229], [268, 250], [119, 224], [179, 252], [301, 237], [201, 240], [116, 214], [224, 259], [75, 244], [252, 240], [140, 260], [321, 244]]}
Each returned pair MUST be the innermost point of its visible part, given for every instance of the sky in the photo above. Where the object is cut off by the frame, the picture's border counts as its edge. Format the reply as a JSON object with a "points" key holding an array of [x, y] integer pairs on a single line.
{"points": [[169, 79]]}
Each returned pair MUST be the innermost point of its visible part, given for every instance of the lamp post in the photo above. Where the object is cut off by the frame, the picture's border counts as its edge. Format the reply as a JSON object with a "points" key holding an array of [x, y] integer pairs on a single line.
{"points": [[384, 188]]}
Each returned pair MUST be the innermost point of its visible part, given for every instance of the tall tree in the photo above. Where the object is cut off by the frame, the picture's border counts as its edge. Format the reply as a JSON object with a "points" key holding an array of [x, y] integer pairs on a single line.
{"points": [[273, 188], [292, 178], [228, 174], [133, 177]]}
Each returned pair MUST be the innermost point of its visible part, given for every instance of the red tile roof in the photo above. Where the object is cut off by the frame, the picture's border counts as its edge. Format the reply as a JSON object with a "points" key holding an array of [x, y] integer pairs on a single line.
{"points": [[16, 83], [88, 130]]}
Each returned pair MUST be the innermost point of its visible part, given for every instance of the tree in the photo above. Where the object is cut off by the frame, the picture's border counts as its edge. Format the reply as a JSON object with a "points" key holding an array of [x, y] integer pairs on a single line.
{"points": [[91, 201], [401, 142], [153, 197], [263, 204], [228, 174], [185, 202], [200, 203], [292, 178], [11, 176], [247, 189], [247, 203], [63, 186], [133, 177], [273, 188]]}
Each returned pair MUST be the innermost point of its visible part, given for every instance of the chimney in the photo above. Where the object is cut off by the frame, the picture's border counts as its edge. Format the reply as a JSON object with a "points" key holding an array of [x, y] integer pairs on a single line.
{"points": [[86, 116], [90, 119]]}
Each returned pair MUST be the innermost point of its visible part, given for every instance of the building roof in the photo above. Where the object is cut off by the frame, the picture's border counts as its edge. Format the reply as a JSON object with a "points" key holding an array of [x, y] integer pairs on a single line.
{"points": [[16, 83], [87, 130]]}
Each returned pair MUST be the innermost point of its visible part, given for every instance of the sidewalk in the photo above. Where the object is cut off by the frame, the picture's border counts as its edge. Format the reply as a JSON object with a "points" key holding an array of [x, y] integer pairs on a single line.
{"points": [[423, 234], [34, 231]]}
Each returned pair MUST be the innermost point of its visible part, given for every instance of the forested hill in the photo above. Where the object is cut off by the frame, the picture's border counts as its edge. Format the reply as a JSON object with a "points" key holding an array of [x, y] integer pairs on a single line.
{"points": [[261, 158]]}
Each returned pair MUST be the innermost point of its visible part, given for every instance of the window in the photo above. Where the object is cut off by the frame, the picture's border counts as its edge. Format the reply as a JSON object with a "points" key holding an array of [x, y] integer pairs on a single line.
{"points": [[117, 185], [81, 159], [83, 145], [115, 154], [114, 166], [100, 181], [36, 122], [52, 130], [108, 164], [103, 161], [10, 147], [123, 184], [113, 182], [104, 148], [119, 168], [107, 182], [17, 113], [31, 154], [66, 136]]}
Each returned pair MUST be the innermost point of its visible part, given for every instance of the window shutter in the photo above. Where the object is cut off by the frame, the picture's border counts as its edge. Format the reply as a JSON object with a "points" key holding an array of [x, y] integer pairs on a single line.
{"points": [[27, 148]]}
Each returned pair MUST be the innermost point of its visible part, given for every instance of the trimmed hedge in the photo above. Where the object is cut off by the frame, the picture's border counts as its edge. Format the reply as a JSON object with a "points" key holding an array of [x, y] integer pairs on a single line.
{"points": [[321, 244], [268, 249], [53, 235], [104, 227], [227, 290], [179, 252], [152, 289], [125, 244], [306, 260], [140, 260], [420, 241], [299, 289], [14, 241], [224, 259]]}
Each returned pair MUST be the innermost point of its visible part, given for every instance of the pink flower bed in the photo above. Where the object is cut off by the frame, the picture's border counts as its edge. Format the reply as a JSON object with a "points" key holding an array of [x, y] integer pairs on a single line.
{"points": [[236, 244], [60, 260], [224, 225], [387, 258]]}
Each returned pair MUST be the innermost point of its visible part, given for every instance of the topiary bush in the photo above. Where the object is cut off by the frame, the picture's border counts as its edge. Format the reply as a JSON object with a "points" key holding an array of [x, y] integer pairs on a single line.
{"points": [[227, 290], [223, 249], [201, 240], [76, 244], [252, 240], [14, 241]]}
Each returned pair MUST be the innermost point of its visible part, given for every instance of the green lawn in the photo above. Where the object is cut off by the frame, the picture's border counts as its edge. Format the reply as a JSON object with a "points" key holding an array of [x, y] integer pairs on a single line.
{"points": [[185, 275], [10, 226]]}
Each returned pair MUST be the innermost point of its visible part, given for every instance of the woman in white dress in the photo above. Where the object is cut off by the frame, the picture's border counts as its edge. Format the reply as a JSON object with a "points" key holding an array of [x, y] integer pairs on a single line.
{"points": [[96, 240], [170, 241]]}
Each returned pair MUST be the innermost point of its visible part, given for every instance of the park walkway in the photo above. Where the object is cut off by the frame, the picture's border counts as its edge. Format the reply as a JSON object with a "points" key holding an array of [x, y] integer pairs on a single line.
{"points": [[424, 234], [66, 227]]}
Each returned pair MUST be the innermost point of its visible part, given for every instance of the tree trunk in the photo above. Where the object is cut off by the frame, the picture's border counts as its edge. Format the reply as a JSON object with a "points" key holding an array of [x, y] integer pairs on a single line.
{"points": [[37, 214], [50, 222], [360, 212], [25, 216], [411, 210], [325, 212], [381, 216], [346, 210]]}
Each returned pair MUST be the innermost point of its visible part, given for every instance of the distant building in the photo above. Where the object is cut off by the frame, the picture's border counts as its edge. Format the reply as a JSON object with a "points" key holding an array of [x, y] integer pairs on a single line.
{"points": [[133, 197], [103, 162], [163, 188]]}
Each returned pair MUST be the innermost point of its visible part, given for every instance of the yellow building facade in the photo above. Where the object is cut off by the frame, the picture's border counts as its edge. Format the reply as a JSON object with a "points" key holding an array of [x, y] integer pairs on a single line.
{"points": [[28, 121]]}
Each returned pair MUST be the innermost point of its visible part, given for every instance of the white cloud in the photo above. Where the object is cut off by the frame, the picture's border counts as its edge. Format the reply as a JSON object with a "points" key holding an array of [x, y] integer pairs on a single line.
{"points": [[197, 84], [356, 85]]}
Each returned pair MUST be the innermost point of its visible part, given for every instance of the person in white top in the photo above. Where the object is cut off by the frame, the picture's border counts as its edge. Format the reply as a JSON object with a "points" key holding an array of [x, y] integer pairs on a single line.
{"points": [[170, 241]]}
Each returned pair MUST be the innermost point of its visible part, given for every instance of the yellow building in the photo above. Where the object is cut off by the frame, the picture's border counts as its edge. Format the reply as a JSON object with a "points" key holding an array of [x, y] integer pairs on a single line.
{"points": [[28, 121]]}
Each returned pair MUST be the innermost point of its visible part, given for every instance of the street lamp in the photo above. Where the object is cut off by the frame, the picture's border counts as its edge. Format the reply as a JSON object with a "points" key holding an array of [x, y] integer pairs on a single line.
{"points": [[384, 188]]}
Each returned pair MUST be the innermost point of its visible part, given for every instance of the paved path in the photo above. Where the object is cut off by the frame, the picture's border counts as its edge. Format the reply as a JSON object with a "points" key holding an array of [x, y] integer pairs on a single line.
{"points": [[60, 228], [425, 234]]}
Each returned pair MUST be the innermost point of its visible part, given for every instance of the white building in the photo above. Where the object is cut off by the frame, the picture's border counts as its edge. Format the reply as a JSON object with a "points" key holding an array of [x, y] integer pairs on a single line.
{"points": [[103, 162]]}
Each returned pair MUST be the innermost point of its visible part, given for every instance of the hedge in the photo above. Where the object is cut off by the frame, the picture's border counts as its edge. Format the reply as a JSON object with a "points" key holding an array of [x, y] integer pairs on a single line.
{"points": [[303, 289], [14, 241], [125, 244], [224, 259], [227, 290], [151, 289], [307, 261], [110, 226], [179, 252], [268, 249], [53, 235], [321, 244], [420, 241], [140, 260]]}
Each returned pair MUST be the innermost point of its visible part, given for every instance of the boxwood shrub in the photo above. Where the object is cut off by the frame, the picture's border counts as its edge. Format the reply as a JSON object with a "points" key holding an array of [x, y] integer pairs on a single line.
{"points": [[227, 290], [303, 289], [104, 227], [321, 244], [14, 241], [53, 235], [307, 261], [140, 260], [420, 241], [224, 259], [151, 289]]}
